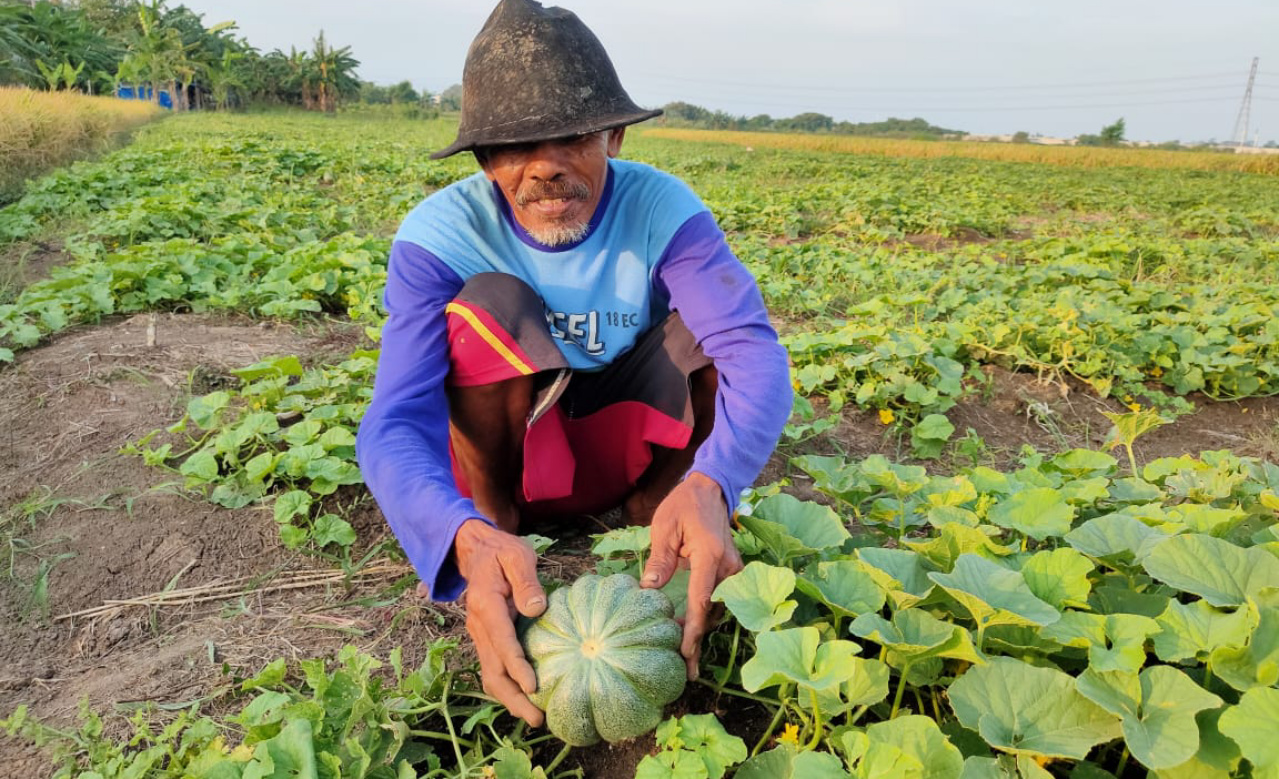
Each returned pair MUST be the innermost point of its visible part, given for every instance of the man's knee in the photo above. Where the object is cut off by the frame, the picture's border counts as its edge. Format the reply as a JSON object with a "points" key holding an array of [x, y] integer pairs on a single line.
{"points": [[498, 292], [497, 331]]}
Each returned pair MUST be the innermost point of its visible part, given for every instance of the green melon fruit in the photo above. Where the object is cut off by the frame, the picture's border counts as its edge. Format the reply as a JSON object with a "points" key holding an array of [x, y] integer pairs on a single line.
{"points": [[607, 659]]}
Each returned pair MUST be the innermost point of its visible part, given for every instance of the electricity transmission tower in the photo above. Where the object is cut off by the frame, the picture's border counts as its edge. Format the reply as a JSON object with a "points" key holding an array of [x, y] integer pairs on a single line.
{"points": [[1240, 135]]}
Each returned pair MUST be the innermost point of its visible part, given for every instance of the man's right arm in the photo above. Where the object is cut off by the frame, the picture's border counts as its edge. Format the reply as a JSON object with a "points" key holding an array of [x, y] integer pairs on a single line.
{"points": [[402, 445], [403, 452]]}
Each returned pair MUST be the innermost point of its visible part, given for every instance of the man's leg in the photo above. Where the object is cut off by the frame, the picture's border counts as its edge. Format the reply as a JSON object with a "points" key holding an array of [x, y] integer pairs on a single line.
{"points": [[486, 428], [669, 465], [501, 358]]}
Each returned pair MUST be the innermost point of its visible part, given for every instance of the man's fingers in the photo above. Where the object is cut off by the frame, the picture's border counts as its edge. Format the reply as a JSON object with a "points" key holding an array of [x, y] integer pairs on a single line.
{"points": [[519, 565], [662, 559], [701, 584], [502, 641], [495, 672]]}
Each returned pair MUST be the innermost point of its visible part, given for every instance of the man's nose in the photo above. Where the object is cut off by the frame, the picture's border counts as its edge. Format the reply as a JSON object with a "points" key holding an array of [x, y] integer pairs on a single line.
{"points": [[547, 161]]}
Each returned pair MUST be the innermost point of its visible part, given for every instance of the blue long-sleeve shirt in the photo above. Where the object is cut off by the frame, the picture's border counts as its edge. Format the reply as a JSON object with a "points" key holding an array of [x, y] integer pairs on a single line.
{"points": [[652, 248]]}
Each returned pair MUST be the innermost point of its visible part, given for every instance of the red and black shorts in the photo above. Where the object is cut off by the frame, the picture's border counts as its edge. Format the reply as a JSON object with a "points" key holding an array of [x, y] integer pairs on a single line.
{"points": [[590, 433]]}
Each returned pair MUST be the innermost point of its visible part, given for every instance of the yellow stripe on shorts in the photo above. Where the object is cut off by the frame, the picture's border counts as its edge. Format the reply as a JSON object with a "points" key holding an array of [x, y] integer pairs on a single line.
{"points": [[489, 337]]}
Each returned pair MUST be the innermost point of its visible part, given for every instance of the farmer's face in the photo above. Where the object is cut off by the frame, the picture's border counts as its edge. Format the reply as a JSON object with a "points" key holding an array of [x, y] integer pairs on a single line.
{"points": [[553, 187]]}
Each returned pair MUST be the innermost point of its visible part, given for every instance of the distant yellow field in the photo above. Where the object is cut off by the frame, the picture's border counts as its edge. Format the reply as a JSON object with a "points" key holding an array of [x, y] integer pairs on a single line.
{"points": [[41, 130], [1070, 156]]}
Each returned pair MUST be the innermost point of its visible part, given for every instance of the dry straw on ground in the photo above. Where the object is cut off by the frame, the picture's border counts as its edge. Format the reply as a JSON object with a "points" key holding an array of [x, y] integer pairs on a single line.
{"points": [[1066, 156], [41, 130]]}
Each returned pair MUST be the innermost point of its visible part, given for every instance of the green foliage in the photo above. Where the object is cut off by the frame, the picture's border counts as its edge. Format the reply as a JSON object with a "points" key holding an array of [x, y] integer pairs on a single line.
{"points": [[694, 746], [1060, 612], [351, 718]]}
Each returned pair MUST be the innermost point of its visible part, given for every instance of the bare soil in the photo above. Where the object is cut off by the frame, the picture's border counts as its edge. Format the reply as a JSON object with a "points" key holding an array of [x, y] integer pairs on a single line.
{"points": [[113, 528]]}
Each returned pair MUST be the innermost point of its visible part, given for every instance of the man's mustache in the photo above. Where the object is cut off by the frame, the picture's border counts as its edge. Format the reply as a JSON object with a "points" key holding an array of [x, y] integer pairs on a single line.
{"points": [[549, 190]]}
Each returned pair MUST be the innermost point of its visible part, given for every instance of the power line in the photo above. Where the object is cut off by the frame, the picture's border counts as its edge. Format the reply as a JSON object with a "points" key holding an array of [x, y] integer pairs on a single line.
{"points": [[1218, 88], [791, 87], [985, 109], [1072, 107]]}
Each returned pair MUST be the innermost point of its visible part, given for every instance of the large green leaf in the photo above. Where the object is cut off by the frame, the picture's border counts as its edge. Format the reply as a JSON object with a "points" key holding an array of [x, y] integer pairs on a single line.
{"points": [[1003, 767], [993, 594], [954, 539], [1253, 662], [901, 572], [1194, 630], [868, 686], [1022, 709], [843, 585], [1115, 536], [798, 655], [787, 762], [669, 764], [1085, 463], [1059, 577], [835, 476], [866, 758], [812, 524], [901, 480], [920, 738], [1209, 520], [758, 596], [1040, 512], [1218, 756], [913, 635], [1253, 724], [1217, 571], [1125, 646], [291, 753], [695, 745], [1158, 708]]}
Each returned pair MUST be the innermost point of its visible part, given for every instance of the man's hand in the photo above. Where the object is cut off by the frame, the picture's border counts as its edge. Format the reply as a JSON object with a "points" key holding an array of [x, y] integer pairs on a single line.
{"points": [[501, 578], [692, 524]]}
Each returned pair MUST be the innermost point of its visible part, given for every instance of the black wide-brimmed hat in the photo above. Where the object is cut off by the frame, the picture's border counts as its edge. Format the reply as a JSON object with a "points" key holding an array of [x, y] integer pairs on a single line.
{"points": [[535, 74]]}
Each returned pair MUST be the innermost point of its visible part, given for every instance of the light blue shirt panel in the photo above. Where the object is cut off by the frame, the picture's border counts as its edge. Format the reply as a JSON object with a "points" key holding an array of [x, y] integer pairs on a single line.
{"points": [[600, 294]]}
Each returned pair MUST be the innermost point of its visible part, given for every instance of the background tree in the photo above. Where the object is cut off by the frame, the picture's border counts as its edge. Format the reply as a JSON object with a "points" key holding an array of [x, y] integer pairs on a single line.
{"points": [[451, 98], [1112, 134], [99, 45]]}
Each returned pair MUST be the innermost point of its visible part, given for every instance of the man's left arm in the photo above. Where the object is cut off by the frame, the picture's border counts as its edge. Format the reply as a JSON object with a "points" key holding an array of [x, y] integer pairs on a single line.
{"points": [[721, 305]]}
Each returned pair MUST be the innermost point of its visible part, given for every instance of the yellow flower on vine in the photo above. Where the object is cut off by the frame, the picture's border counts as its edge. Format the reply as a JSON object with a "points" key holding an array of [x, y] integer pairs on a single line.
{"points": [[886, 416], [1135, 406], [790, 734], [1156, 371]]}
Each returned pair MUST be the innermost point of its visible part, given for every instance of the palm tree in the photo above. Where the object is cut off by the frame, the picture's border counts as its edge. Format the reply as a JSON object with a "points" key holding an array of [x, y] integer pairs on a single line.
{"points": [[52, 33], [223, 76], [333, 74], [155, 52]]}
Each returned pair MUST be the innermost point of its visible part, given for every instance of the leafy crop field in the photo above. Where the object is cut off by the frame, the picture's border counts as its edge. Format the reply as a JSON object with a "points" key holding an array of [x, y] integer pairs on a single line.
{"points": [[1022, 523]]}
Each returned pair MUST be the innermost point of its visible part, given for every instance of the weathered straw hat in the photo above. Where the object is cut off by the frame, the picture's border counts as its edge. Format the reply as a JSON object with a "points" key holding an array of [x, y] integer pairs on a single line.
{"points": [[535, 74]]}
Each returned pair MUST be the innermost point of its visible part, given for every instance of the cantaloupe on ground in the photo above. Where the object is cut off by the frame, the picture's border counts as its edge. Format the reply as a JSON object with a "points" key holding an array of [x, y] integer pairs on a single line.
{"points": [[607, 659]]}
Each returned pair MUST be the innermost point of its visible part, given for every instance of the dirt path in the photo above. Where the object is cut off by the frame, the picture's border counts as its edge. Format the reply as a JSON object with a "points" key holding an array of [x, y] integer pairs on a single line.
{"points": [[106, 526]]}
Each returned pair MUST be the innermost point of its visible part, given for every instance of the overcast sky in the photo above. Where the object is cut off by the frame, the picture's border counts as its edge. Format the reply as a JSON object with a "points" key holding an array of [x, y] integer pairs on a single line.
{"points": [[1173, 69]]}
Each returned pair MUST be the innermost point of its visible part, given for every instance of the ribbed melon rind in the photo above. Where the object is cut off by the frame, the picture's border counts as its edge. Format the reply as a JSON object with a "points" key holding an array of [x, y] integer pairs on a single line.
{"points": [[569, 711], [606, 654], [619, 710], [664, 679], [638, 607], [659, 633]]}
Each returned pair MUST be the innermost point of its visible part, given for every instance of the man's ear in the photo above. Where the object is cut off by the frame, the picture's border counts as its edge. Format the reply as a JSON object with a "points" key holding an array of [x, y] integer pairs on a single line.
{"points": [[615, 137]]}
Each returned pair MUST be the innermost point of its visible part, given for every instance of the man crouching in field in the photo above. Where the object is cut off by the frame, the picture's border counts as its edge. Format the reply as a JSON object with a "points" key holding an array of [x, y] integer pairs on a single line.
{"points": [[568, 332]]}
